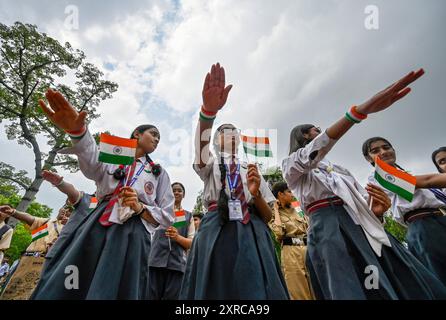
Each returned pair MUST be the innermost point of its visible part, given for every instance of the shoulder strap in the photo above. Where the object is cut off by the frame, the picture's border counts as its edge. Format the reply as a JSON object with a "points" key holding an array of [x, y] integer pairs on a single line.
{"points": [[4, 229]]}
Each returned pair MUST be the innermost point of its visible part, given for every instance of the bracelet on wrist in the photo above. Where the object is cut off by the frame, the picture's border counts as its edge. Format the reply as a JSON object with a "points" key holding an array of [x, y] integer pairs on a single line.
{"points": [[206, 115], [77, 134], [354, 116], [141, 210], [59, 184]]}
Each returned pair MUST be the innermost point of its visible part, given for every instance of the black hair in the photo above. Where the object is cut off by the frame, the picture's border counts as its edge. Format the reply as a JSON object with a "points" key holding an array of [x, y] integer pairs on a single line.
{"points": [[297, 139], [434, 154], [366, 147], [181, 185], [119, 173], [141, 129], [279, 187], [223, 208]]}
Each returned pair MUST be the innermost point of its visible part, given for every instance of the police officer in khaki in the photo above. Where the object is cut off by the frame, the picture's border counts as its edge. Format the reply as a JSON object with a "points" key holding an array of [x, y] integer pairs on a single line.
{"points": [[290, 229]]}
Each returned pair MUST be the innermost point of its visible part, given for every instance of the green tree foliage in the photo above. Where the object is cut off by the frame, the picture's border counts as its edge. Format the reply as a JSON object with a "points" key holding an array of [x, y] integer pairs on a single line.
{"points": [[198, 208], [31, 62], [394, 228]]}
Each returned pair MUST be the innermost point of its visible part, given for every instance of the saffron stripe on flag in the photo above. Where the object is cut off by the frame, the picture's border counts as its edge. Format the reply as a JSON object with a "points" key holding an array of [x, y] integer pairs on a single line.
{"points": [[42, 227], [118, 141], [255, 140]]}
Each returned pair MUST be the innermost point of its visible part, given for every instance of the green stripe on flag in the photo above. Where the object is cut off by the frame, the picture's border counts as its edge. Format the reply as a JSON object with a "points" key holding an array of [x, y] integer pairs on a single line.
{"points": [[115, 159], [258, 153], [40, 236], [180, 224], [394, 188]]}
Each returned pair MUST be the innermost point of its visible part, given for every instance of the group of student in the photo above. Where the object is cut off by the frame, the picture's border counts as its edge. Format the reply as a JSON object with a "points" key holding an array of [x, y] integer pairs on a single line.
{"points": [[231, 255]]}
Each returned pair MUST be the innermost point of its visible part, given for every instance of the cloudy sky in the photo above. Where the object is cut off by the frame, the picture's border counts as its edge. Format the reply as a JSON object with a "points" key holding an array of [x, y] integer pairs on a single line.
{"points": [[290, 61]]}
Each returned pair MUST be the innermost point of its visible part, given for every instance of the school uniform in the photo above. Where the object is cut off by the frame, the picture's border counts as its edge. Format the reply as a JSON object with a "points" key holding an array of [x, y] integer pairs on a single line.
{"points": [[168, 263], [112, 261], [231, 260], [291, 234], [82, 207], [27, 274], [5, 239], [426, 234], [346, 239]]}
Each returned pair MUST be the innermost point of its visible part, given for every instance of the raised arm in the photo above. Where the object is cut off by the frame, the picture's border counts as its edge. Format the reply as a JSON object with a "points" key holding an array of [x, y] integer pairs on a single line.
{"points": [[21, 216], [65, 187], [435, 180], [214, 95], [65, 116], [379, 102]]}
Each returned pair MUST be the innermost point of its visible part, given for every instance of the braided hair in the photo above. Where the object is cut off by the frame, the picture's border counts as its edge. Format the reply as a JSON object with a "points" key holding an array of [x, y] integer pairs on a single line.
{"points": [[119, 173]]}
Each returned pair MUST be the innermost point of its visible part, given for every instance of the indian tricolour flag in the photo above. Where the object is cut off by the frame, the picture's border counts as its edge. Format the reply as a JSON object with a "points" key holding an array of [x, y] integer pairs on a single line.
{"points": [[116, 150], [93, 204], [258, 146], [40, 232], [180, 219], [397, 181]]}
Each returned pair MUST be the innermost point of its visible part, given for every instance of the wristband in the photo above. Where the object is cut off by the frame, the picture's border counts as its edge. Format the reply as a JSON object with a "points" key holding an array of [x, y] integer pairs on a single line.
{"points": [[354, 116], [59, 184], [206, 115], [77, 134]]}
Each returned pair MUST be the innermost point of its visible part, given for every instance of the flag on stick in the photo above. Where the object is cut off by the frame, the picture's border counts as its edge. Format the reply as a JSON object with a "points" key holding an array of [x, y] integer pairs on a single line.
{"points": [[117, 150], [40, 232], [257, 146], [397, 181], [180, 219]]}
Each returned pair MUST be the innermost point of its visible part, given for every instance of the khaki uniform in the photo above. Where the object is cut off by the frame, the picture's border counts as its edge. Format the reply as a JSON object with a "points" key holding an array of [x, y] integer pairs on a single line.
{"points": [[27, 274], [293, 256]]}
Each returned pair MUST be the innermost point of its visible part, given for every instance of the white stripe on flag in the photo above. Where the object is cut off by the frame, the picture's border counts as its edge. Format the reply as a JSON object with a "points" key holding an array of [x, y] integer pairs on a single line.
{"points": [[116, 150], [397, 181]]}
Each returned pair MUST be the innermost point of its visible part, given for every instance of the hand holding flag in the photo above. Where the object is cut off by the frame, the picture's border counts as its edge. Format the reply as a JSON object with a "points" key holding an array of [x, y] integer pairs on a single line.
{"points": [[395, 180]]}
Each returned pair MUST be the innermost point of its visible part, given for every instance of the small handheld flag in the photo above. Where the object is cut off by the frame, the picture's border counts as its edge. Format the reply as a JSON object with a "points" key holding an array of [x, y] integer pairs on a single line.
{"points": [[397, 181], [93, 204], [180, 219], [117, 150], [40, 232], [257, 146]]}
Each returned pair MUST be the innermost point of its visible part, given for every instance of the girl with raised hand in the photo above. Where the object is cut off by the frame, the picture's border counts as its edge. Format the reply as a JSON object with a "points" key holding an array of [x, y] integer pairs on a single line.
{"points": [[424, 215], [232, 254], [108, 260], [350, 256]]}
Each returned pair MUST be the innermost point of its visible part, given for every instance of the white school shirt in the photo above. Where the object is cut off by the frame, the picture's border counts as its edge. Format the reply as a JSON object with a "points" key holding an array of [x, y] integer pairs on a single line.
{"points": [[154, 192], [210, 175], [422, 198], [5, 241], [316, 179]]}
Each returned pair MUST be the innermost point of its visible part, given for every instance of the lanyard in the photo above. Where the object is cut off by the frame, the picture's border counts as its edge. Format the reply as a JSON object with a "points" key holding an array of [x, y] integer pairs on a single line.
{"points": [[135, 177], [232, 184]]}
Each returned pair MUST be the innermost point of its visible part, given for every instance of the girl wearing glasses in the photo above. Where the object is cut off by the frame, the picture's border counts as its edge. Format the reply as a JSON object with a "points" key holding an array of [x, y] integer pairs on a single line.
{"points": [[232, 254]]}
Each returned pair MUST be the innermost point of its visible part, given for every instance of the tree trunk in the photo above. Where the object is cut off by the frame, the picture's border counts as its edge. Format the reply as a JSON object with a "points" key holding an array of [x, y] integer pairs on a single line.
{"points": [[32, 190]]}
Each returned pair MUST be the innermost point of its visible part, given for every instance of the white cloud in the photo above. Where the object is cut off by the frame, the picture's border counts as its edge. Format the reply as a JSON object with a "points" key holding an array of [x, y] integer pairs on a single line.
{"points": [[290, 62]]}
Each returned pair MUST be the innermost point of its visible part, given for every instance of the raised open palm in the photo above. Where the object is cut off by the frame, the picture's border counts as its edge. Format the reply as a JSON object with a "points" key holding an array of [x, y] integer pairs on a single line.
{"points": [[396, 91], [62, 113], [215, 93]]}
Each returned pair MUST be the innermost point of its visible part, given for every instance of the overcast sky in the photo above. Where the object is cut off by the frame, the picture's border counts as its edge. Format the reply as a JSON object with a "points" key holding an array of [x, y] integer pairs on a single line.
{"points": [[291, 62]]}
